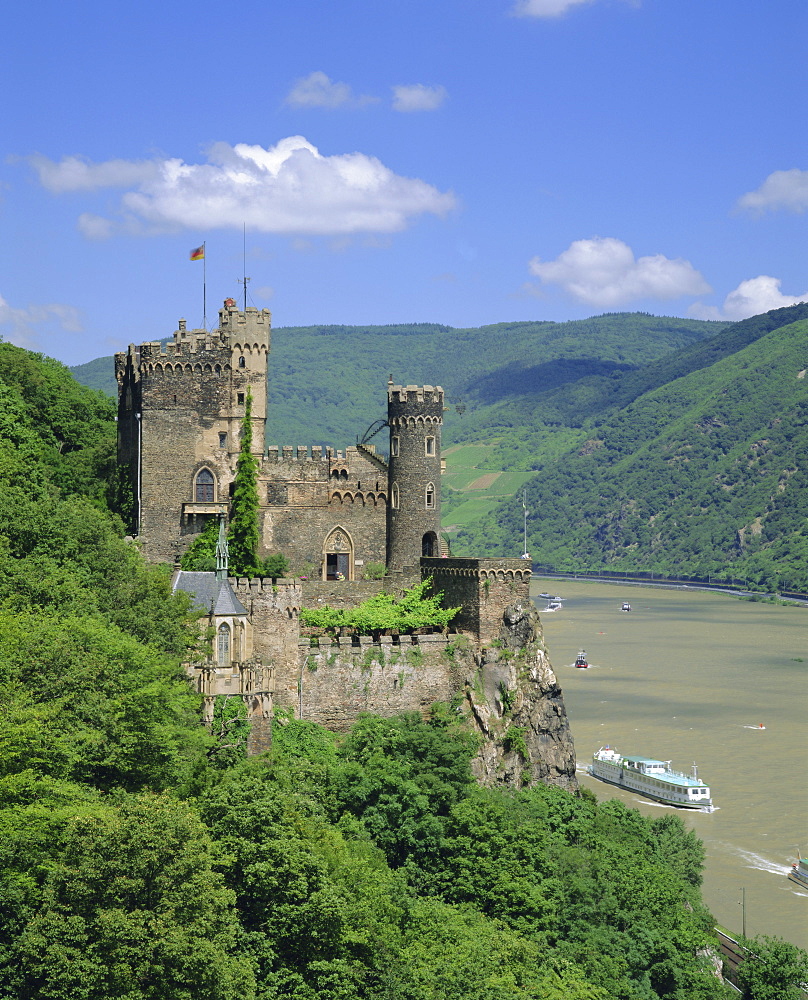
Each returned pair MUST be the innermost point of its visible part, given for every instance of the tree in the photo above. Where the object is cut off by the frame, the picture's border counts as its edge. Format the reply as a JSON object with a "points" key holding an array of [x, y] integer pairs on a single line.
{"points": [[132, 908], [242, 538], [773, 969]]}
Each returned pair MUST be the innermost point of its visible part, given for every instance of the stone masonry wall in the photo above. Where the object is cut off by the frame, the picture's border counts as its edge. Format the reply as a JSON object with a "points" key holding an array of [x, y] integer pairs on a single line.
{"points": [[338, 681], [306, 498], [481, 588]]}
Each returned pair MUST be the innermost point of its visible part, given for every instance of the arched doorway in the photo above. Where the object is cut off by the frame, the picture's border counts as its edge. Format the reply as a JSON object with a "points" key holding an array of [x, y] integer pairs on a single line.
{"points": [[338, 557], [429, 544]]}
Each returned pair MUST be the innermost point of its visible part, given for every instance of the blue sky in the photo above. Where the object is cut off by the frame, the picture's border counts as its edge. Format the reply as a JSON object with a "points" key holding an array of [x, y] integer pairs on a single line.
{"points": [[462, 162]]}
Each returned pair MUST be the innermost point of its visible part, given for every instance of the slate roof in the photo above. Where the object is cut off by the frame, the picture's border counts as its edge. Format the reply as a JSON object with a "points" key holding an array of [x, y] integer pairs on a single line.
{"points": [[214, 597]]}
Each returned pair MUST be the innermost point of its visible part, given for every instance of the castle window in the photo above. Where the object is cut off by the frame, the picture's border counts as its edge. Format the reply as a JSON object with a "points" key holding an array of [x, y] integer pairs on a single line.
{"points": [[394, 446], [430, 496], [429, 446], [240, 399], [204, 486], [394, 495], [242, 362], [222, 439], [223, 645]]}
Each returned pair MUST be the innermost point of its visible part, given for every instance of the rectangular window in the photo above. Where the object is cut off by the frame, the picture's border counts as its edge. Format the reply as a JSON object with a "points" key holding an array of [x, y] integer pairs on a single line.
{"points": [[430, 497], [430, 446], [222, 439], [240, 398], [394, 446]]}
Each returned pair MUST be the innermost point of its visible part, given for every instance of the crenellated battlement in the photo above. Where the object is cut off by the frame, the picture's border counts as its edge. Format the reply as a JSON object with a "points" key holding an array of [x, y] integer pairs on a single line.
{"points": [[250, 328], [410, 404]]}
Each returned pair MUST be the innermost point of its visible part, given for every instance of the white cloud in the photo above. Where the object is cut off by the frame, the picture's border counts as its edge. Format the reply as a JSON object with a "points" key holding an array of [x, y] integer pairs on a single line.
{"points": [[317, 90], [786, 189], [20, 326], [74, 173], [603, 272], [545, 8], [418, 97], [95, 227], [750, 298], [288, 188]]}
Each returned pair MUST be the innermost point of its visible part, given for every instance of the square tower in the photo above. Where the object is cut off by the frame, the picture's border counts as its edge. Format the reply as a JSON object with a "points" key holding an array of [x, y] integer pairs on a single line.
{"points": [[180, 407]]}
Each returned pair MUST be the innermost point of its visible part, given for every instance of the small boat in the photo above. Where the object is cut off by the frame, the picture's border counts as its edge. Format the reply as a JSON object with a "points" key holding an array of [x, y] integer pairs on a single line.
{"points": [[655, 779], [549, 597], [581, 660], [799, 872], [553, 606], [626, 606]]}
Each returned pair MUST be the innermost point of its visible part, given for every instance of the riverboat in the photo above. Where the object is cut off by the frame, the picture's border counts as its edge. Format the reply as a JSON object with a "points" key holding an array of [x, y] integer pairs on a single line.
{"points": [[626, 606], [581, 660], [655, 779], [799, 872], [553, 606]]}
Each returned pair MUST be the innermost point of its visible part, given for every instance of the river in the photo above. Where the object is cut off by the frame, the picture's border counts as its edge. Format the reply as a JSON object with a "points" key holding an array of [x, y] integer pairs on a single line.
{"points": [[692, 676]]}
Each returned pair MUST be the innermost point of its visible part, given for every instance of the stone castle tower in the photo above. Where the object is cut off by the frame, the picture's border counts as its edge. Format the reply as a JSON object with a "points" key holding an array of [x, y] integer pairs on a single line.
{"points": [[331, 513], [415, 417], [180, 408]]}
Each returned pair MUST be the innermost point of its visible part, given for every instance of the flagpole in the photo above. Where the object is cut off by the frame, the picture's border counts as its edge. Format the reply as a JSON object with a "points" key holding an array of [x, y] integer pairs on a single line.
{"points": [[204, 288]]}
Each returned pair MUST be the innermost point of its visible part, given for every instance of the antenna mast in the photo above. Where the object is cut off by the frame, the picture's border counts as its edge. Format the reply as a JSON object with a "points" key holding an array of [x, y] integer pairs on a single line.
{"points": [[245, 279]]}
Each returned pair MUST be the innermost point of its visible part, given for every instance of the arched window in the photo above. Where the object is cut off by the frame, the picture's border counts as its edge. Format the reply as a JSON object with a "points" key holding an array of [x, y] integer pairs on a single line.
{"points": [[242, 362], [223, 645], [394, 495], [204, 486], [430, 496]]}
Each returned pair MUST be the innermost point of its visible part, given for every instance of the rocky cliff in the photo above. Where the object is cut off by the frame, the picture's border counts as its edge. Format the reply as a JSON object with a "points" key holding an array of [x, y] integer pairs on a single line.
{"points": [[513, 698]]}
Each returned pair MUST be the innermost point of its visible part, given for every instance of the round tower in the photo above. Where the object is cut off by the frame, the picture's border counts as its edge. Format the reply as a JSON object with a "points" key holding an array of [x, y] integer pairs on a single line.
{"points": [[415, 416]]}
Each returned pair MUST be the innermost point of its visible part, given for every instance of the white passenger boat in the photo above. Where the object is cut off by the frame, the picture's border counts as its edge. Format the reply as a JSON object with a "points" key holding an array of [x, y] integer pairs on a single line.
{"points": [[799, 872], [654, 779]]}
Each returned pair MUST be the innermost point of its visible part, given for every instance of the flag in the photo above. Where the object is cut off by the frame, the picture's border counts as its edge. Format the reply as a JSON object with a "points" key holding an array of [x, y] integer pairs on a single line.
{"points": [[199, 253]]}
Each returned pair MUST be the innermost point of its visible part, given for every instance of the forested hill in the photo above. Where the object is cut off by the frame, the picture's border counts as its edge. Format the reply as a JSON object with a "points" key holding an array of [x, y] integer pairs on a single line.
{"points": [[143, 856], [705, 473], [327, 384]]}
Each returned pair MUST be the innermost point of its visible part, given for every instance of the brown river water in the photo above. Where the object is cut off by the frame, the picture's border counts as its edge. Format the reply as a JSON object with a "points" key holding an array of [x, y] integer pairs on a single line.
{"points": [[690, 676]]}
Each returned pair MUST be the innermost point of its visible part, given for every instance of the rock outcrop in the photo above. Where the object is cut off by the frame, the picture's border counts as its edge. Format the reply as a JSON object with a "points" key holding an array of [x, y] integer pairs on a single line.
{"points": [[514, 700]]}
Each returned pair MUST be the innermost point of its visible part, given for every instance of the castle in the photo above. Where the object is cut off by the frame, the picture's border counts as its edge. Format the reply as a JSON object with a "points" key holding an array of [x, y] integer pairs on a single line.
{"points": [[181, 407], [333, 512]]}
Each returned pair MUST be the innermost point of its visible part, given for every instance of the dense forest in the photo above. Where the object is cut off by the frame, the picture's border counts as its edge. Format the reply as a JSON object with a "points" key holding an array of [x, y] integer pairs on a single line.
{"points": [[694, 465], [144, 857]]}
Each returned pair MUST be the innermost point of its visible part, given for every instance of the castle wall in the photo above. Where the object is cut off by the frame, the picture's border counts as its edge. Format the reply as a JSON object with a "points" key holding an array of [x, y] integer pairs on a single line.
{"points": [[338, 681], [308, 499], [481, 588], [274, 609]]}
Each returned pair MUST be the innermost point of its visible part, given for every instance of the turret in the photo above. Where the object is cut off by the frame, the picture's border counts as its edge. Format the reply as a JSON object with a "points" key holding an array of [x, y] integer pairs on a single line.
{"points": [[415, 416]]}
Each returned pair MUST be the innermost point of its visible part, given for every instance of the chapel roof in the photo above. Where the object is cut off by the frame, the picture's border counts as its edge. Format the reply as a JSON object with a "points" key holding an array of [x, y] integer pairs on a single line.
{"points": [[209, 594]]}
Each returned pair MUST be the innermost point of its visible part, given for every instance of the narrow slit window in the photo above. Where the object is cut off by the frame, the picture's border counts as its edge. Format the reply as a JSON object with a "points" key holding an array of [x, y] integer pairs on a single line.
{"points": [[429, 446], [394, 446], [430, 496]]}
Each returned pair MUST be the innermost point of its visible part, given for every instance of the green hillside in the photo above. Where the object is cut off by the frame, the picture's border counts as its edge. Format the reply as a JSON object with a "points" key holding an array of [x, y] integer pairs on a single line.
{"points": [[644, 443], [145, 857], [327, 384], [704, 474]]}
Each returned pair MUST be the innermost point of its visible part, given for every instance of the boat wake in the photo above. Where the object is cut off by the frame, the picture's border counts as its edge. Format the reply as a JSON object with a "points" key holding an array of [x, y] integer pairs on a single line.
{"points": [[758, 727], [760, 863]]}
